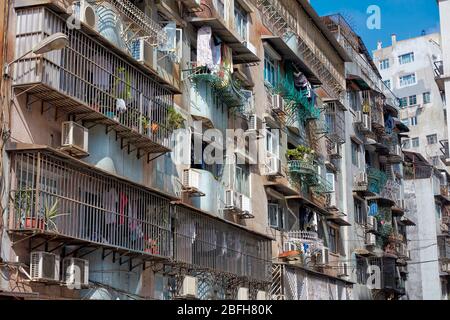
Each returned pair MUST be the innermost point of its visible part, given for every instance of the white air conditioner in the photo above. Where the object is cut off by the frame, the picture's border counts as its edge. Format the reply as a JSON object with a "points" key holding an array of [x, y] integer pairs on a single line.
{"points": [[397, 150], [342, 269], [324, 256], [273, 166], [261, 295], [359, 117], [277, 103], [371, 239], [372, 223], [335, 150], [242, 293], [76, 272], [74, 138], [44, 266], [246, 204], [86, 13], [366, 124], [361, 178], [143, 52], [191, 181], [189, 288], [251, 47], [233, 200]]}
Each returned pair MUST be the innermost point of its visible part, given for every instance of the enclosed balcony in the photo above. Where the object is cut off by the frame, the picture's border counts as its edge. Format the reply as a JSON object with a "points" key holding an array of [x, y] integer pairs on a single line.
{"points": [[58, 198], [390, 279], [439, 74], [88, 82], [377, 180], [211, 244], [217, 15], [335, 120]]}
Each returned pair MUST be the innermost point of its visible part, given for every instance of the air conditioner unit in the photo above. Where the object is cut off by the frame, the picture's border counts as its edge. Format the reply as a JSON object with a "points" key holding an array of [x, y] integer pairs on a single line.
{"points": [[273, 166], [86, 13], [261, 295], [372, 223], [233, 200], [359, 117], [242, 293], [371, 239], [143, 52], [74, 138], [44, 266], [362, 179], [342, 269], [335, 150], [189, 288], [277, 103], [366, 124], [324, 256], [246, 204], [191, 182], [76, 272]]}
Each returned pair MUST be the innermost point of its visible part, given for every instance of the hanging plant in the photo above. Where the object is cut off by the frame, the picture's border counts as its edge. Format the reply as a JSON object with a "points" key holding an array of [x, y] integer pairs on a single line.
{"points": [[299, 153]]}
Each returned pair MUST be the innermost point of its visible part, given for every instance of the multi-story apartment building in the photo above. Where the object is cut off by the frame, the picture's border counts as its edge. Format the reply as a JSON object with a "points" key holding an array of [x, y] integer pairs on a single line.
{"points": [[373, 173], [408, 68], [121, 179], [427, 203]]}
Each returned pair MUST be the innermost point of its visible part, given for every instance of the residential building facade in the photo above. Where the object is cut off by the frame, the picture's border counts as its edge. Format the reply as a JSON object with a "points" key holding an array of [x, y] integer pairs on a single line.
{"points": [[122, 180]]}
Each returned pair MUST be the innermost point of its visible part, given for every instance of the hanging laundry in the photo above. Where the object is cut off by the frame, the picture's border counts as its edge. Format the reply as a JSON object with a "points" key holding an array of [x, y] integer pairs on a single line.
{"points": [[122, 207], [204, 52], [389, 124], [373, 209], [110, 200]]}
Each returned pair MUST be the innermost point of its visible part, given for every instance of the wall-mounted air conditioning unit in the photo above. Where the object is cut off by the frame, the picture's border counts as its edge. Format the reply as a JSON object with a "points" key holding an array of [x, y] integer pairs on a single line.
{"points": [[189, 289], [86, 13], [361, 179], [366, 124], [358, 117], [372, 224], [76, 272], [44, 266], [273, 166], [242, 293], [335, 151], [74, 139], [261, 295], [342, 270], [143, 52], [371, 239], [191, 182], [323, 256], [277, 103], [233, 200], [246, 204]]}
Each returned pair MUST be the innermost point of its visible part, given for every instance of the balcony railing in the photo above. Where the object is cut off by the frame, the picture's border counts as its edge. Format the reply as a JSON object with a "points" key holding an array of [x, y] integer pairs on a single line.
{"points": [[60, 198], [303, 167], [221, 79], [210, 244], [390, 280], [55, 196], [335, 119], [377, 180], [91, 83], [391, 191], [439, 68]]}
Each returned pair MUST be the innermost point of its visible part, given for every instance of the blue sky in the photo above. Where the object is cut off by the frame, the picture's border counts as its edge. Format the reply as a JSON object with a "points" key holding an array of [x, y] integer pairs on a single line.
{"points": [[406, 18]]}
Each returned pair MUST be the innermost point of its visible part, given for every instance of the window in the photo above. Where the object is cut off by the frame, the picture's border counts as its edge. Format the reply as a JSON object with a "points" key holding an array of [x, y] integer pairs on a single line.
{"points": [[270, 70], [360, 213], [408, 80], [405, 121], [426, 97], [333, 237], [406, 58], [412, 100], [432, 139], [272, 141], [240, 20], [415, 142], [352, 97], [413, 121], [384, 64], [387, 83], [241, 182], [276, 219], [355, 154], [406, 144], [403, 102], [361, 270]]}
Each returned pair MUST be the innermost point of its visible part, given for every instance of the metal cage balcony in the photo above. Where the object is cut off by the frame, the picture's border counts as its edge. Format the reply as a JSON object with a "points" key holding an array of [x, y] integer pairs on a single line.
{"points": [[88, 81]]}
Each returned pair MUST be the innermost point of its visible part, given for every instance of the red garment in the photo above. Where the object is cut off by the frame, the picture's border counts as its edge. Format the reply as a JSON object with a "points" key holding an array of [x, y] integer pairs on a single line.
{"points": [[123, 205]]}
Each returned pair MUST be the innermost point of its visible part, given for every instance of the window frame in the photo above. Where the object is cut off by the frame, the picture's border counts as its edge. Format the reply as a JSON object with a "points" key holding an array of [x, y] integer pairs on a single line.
{"points": [[426, 94], [403, 84], [402, 58], [355, 150], [413, 142], [432, 139], [412, 100], [385, 64]]}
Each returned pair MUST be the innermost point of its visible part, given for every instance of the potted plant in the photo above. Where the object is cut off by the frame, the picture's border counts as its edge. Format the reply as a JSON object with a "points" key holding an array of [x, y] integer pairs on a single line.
{"points": [[299, 153], [174, 119], [23, 205], [50, 214]]}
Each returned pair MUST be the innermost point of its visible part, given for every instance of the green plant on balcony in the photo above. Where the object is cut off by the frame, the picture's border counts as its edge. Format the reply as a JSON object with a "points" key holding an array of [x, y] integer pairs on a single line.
{"points": [[23, 202], [50, 214], [174, 119], [122, 84], [300, 153], [131, 118]]}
